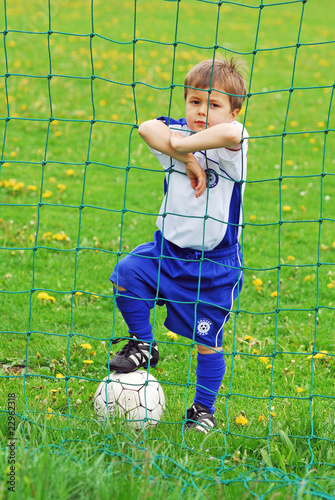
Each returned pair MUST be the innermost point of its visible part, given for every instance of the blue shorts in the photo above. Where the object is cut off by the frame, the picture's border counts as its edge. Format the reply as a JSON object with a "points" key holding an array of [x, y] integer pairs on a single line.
{"points": [[198, 293]]}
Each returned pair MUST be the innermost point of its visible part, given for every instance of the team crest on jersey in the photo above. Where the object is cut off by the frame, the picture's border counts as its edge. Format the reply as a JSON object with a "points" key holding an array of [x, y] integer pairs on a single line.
{"points": [[203, 326], [212, 177]]}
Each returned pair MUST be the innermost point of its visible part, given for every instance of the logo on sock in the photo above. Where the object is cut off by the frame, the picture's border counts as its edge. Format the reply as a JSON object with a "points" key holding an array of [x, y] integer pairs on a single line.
{"points": [[203, 326]]}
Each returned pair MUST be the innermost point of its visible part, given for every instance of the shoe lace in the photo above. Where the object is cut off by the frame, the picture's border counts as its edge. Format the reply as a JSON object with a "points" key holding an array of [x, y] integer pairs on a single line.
{"points": [[195, 410], [130, 348]]}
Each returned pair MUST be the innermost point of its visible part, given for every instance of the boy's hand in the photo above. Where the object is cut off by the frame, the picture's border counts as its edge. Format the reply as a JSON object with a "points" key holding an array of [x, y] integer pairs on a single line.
{"points": [[194, 171], [196, 174]]}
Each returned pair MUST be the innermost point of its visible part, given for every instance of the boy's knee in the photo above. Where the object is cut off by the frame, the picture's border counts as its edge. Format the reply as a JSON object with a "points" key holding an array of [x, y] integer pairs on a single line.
{"points": [[119, 288], [207, 350]]}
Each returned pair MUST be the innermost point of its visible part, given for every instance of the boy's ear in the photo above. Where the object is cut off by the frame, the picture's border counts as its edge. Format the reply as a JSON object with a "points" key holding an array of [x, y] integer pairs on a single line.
{"points": [[234, 114]]}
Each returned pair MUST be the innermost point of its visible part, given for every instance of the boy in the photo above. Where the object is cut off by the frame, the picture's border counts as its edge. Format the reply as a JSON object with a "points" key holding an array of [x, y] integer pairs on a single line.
{"points": [[194, 264]]}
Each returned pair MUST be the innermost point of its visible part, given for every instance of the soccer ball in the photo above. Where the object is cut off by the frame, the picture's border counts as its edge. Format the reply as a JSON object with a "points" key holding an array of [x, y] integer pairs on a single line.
{"points": [[136, 396]]}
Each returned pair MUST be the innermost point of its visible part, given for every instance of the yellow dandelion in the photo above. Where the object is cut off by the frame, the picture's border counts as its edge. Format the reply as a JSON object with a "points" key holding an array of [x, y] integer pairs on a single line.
{"points": [[78, 294], [312, 140], [294, 123], [115, 117], [262, 418], [324, 62], [248, 337], [290, 257], [242, 111], [49, 413], [321, 124], [274, 294], [263, 359], [46, 235], [319, 355], [172, 336], [324, 247], [272, 413], [287, 208], [45, 296], [307, 278], [289, 162], [268, 367], [241, 420], [13, 153], [86, 346], [330, 285], [257, 282], [60, 236], [59, 375], [185, 55], [102, 102], [31, 187], [18, 186], [271, 127], [47, 194], [62, 187], [255, 351], [70, 171], [300, 389], [88, 361], [253, 217]]}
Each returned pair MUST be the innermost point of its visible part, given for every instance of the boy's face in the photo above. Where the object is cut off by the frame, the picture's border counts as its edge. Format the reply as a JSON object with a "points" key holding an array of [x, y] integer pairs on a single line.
{"points": [[202, 112]]}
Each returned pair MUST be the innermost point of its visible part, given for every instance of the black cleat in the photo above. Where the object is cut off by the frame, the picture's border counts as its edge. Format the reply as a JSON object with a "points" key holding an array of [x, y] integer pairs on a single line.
{"points": [[199, 418], [135, 354]]}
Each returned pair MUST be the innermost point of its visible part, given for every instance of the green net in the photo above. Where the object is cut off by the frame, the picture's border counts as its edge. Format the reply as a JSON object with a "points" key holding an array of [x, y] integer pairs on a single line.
{"points": [[79, 190]]}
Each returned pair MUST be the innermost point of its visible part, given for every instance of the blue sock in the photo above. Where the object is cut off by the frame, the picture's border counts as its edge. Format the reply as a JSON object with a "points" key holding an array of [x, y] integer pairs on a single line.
{"points": [[136, 314], [210, 371]]}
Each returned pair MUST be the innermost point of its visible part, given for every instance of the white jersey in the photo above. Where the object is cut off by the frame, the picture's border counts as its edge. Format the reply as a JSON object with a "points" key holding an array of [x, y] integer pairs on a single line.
{"points": [[214, 219]]}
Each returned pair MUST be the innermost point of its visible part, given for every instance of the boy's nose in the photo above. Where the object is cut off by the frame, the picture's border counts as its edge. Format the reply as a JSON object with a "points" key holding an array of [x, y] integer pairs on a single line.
{"points": [[203, 109]]}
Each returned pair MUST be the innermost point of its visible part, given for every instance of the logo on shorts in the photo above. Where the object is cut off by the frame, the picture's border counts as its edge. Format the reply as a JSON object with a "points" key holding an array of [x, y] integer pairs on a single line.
{"points": [[212, 177], [203, 326]]}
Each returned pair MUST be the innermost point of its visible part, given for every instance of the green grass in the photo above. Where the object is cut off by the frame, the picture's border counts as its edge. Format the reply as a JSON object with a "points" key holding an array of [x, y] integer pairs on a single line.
{"points": [[75, 194]]}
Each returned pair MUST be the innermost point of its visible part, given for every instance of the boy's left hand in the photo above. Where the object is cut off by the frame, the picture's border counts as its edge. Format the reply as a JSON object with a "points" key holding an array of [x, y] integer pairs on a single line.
{"points": [[194, 171]]}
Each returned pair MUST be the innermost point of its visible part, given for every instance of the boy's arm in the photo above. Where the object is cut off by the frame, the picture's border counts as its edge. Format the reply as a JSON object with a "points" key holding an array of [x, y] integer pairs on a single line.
{"points": [[223, 135], [157, 135]]}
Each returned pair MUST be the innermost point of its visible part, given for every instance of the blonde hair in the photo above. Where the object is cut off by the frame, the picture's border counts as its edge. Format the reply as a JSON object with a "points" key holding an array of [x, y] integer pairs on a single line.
{"points": [[221, 74]]}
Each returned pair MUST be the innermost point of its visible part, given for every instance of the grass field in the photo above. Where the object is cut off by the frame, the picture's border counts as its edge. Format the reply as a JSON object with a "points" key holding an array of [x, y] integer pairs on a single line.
{"points": [[79, 188]]}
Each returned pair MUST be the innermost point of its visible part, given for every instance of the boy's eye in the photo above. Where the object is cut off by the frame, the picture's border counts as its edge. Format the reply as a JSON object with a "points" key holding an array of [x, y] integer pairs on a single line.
{"points": [[214, 105]]}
